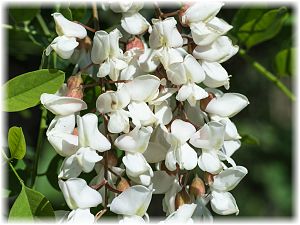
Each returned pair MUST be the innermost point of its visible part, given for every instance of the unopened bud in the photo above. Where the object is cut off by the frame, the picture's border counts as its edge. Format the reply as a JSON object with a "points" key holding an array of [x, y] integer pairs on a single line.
{"points": [[197, 187], [112, 159], [182, 198], [123, 184], [74, 87], [208, 178], [135, 43], [164, 168], [204, 102]]}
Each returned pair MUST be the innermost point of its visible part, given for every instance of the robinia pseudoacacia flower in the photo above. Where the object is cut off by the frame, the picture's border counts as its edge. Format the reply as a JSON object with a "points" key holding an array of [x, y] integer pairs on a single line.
{"points": [[159, 126]]}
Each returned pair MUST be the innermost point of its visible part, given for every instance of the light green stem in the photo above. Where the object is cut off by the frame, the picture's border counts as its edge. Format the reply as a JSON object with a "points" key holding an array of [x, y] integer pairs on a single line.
{"points": [[12, 167], [262, 70], [39, 146]]}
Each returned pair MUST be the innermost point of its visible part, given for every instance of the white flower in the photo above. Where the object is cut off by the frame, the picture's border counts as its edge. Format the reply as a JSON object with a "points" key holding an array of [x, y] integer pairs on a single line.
{"points": [[137, 168], [113, 103], [222, 201], [106, 52], [58, 104], [227, 105], [90, 140], [180, 152], [60, 135], [210, 138], [133, 201], [135, 141], [134, 23], [68, 31], [78, 216], [78, 194], [218, 51]]}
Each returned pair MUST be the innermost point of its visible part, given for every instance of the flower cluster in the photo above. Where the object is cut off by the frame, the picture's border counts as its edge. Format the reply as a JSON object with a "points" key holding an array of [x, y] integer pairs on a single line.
{"points": [[159, 107]]}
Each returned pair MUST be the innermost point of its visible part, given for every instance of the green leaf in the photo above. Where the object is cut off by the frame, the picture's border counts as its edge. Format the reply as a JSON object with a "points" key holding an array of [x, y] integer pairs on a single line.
{"points": [[24, 91], [30, 205], [16, 143], [21, 14], [263, 27], [285, 62], [66, 12]]}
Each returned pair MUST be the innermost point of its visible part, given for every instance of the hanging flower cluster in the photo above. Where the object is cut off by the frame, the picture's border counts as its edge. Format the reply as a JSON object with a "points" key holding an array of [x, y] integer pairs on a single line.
{"points": [[159, 105]]}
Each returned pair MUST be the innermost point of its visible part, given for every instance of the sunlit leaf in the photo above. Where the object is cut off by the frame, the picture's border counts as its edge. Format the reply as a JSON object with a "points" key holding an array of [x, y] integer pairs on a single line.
{"points": [[29, 205], [16, 143], [263, 27], [24, 91]]}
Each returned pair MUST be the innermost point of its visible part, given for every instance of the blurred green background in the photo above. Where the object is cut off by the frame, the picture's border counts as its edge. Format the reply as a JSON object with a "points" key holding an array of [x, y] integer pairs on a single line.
{"points": [[268, 122]]}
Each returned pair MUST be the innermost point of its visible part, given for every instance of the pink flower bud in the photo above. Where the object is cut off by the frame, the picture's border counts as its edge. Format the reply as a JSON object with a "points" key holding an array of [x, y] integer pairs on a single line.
{"points": [[135, 43], [74, 87]]}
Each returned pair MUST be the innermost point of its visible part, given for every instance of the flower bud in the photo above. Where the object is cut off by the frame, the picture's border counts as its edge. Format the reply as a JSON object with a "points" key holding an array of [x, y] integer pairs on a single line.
{"points": [[204, 102], [208, 178], [135, 43], [182, 198], [197, 187], [123, 184], [74, 87]]}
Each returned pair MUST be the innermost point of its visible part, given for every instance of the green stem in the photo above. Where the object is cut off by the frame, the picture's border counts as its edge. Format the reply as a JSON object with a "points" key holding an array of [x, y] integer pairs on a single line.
{"points": [[39, 146], [43, 24], [12, 167], [262, 70]]}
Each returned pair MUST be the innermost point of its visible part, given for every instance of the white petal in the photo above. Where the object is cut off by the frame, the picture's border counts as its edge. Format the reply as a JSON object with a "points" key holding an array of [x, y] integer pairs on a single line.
{"points": [[100, 49], [194, 71], [141, 114], [133, 201], [135, 141], [209, 161], [132, 220], [184, 92], [231, 132], [197, 94], [62, 105], [231, 146], [70, 168], [63, 46], [104, 69], [188, 157], [64, 144], [223, 203], [81, 216], [201, 11], [111, 101], [78, 194], [149, 61], [176, 73], [227, 105], [171, 160], [210, 136], [89, 135], [169, 199], [182, 215], [87, 158], [135, 164], [159, 186], [134, 23], [169, 56], [163, 113], [182, 130], [228, 179], [218, 51], [143, 87], [67, 27], [118, 122], [216, 75]]}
